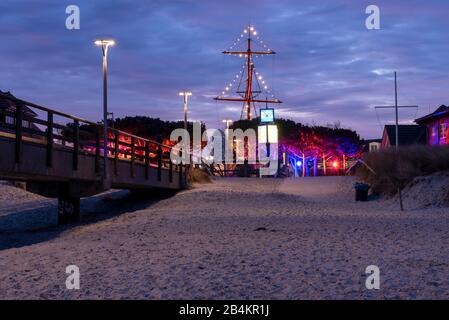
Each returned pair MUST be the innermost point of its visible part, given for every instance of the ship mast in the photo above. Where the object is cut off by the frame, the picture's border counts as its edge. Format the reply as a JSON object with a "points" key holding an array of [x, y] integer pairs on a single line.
{"points": [[250, 97]]}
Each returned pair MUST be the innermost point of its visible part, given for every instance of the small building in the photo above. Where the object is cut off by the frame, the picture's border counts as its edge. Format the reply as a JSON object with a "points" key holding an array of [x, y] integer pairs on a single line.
{"points": [[7, 112], [372, 145], [408, 135], [437, 124]]}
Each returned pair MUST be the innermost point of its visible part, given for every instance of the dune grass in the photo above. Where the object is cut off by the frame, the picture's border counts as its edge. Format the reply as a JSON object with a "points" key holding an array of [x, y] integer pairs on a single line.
{"points": [[395, 169]]}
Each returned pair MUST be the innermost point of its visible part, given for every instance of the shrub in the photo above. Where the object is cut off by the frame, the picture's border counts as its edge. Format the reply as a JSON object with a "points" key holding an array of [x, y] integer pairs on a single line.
{"points": [[196, 175], [395, 169]]}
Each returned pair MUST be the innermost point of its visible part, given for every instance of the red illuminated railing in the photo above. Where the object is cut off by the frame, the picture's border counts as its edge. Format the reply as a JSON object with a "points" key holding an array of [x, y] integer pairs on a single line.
{"points": [[81, 136]]}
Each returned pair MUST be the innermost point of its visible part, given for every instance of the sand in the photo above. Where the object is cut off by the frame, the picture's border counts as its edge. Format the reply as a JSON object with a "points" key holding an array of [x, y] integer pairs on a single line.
{"points": [[236, 239]]}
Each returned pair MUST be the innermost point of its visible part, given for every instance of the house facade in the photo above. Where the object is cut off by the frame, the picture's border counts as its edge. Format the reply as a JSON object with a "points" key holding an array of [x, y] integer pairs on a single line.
{"points": [[408, 135], [371, 145], [437, 124]]}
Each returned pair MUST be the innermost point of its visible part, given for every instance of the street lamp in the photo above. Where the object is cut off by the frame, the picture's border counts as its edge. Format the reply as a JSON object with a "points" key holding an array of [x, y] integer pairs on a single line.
{"points": [[228, 122], [185, 94], [112, 119], [105, 44]]}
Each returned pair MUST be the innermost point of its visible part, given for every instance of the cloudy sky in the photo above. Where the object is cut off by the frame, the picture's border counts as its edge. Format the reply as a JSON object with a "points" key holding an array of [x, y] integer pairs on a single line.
{"points": [[328, 68]]}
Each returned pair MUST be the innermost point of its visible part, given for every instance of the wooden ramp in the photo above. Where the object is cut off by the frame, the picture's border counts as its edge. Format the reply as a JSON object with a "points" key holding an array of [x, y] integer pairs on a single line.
{"points": [[66, 161]]}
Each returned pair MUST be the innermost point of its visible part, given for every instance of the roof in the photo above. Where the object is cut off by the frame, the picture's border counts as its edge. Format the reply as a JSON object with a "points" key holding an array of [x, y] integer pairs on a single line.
{"points": [[408, 134], [442, 111], [367, 141], [11, 104]]}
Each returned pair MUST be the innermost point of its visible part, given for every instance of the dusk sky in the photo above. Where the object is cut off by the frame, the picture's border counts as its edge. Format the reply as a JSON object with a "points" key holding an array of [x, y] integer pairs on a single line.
{"points": [[328, 66]]}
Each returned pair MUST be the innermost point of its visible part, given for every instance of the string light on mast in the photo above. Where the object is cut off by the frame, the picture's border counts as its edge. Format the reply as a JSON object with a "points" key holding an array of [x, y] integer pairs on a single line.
{"points": [[245, 89]]}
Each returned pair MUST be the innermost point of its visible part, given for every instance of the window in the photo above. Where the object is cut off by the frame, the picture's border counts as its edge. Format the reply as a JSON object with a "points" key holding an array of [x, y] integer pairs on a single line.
{"points": [[9, 120], [443, 129], [434, 131], [25, 124], [373, 147]]}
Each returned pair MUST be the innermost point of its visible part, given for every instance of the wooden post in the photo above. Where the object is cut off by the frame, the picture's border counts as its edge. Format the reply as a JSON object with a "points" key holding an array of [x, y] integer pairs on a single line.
{"points": [[181, 184], [159, 158], [49, 139], [170, 172], [76, 144], [133, 151], [97, 151], [147, 159], [116, 151], [18, 144]]}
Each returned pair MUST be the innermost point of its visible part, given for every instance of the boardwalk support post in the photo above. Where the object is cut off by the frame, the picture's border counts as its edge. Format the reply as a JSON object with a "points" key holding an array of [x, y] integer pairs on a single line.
{"points": [[170, 171], [116, 151], [49, 139], [76, 144], [159, 158], [97, 151], [133, 155], [147, 159], [18, 144]]}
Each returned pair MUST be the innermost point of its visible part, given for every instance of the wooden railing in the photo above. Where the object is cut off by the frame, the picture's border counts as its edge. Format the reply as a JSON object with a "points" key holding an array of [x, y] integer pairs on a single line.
{"points": [[82, 136]]}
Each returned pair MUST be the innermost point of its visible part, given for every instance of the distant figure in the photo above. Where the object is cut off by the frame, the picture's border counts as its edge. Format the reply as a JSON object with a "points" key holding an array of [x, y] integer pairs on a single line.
{"points": [[285, 172]]}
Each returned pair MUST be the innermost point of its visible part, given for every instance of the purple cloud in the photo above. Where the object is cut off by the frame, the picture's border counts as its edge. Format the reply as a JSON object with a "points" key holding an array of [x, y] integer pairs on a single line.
{"points": [[328, 68]]}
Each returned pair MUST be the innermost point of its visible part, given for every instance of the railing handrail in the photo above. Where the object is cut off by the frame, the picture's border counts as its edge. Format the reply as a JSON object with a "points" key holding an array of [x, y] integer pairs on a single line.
{"points": [[66, 115]]}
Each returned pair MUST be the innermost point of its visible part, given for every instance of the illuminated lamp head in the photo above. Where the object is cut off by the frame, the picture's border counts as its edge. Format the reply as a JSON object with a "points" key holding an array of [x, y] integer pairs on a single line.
{"points": [[335, 164], [298, 163]]}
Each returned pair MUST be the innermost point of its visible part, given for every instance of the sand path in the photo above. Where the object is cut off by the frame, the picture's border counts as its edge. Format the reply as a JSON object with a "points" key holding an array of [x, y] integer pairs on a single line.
{"points": [[239, 239]]}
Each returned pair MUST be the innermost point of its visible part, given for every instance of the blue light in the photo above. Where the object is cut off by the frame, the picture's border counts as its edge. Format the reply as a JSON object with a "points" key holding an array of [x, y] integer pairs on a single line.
{"points": [[298, 163]]}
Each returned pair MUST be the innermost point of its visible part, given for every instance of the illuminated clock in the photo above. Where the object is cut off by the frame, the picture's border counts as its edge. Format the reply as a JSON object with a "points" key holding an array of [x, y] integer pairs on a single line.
{"points": [[267, 115]]}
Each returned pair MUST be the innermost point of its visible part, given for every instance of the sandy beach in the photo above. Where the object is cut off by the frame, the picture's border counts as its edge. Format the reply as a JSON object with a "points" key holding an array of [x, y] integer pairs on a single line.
{"points": [[234, 239]]}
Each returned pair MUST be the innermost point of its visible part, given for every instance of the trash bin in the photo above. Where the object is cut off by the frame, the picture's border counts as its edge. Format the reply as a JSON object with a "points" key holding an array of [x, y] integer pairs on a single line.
{"points": [[361, 191]]}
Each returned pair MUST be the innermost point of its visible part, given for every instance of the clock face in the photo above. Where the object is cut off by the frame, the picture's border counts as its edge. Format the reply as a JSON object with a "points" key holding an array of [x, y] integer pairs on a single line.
{"points": [[267, 115]]}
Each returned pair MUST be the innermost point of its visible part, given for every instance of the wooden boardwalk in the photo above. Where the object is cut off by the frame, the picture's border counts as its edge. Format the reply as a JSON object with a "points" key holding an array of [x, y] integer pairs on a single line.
{"points": [[66, 161]]}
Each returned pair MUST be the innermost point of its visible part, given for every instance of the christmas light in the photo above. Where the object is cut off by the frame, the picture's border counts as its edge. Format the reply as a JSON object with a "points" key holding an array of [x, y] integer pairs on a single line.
{"points": [[248, 62]]}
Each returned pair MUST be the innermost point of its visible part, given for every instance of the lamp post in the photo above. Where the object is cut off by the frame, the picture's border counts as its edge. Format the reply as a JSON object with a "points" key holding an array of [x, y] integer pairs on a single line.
{"points": [[112, 119], [228, 122], [105, 44], [186, 95]]}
